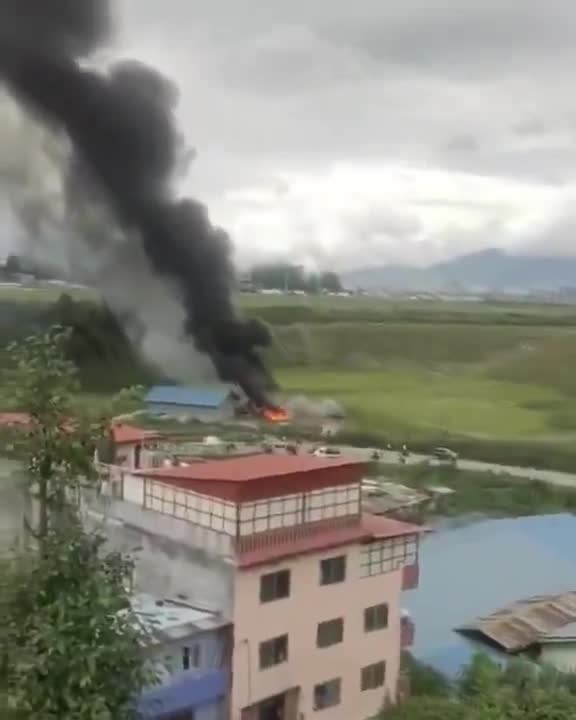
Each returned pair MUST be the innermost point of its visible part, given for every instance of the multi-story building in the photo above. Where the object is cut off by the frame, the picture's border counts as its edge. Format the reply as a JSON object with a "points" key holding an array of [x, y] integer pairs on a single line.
{"points": [[280, 546]]}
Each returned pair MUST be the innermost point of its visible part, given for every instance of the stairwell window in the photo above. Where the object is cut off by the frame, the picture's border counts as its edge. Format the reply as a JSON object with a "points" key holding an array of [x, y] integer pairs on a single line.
{"points": [[273, 652], [333, 570]]}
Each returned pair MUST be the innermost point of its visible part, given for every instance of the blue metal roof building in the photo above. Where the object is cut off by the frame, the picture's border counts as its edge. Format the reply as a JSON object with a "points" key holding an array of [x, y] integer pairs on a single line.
{"points": [[208, 403]]}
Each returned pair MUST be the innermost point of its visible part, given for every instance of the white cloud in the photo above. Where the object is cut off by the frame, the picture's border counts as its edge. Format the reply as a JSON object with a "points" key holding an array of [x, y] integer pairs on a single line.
{"points": [[352, 215]]}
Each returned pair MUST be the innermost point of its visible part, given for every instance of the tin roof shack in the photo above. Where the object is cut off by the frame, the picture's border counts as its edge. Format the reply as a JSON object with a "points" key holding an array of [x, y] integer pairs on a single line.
{"points": [[207, 404], [190, 653], [543, 626], [382, 497], [131, 444]]}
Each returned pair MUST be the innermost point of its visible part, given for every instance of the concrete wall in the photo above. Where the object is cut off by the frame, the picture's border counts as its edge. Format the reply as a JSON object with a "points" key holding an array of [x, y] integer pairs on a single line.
{"points": [[299, 615], [172, 557], [562, 656]]}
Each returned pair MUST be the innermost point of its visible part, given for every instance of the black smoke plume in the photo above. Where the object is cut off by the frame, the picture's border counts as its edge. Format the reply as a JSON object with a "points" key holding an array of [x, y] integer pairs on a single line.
{"points": [[123, 133]]}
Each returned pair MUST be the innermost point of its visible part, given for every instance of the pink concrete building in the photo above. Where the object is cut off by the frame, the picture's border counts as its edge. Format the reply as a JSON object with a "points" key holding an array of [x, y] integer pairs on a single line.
{"points": [[314, 585]]}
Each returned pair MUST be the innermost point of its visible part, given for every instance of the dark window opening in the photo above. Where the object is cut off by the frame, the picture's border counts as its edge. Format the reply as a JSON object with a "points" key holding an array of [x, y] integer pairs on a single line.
{"points": [[275, 586], [333, 570], [376, 617], [330, 632], [273, 652], [373, 676]]}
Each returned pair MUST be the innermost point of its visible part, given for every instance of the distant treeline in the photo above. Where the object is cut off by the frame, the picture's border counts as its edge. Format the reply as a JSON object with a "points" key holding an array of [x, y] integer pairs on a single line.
{"points": [[292, 278]]}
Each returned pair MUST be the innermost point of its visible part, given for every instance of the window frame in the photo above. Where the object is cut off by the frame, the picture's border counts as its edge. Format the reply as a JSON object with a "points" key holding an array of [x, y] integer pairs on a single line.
{"points": [[273, 577], [371, 675], [371, 615], [330, 578], [336, 682], [271, 646], [327, 626]]}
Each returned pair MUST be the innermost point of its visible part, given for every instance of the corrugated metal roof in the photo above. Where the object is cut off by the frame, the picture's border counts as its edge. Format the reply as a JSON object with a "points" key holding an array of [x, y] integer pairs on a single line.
{"points": [[167, 620], [205, 396], [249, 467], [563, 634], [526, 622]]}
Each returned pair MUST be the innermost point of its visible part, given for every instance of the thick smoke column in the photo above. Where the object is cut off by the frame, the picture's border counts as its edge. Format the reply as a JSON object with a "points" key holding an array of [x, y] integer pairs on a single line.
{"points": [[122, 130]]}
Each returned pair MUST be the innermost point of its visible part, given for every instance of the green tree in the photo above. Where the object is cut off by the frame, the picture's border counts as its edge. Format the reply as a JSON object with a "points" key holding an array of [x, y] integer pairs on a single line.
{"points": [[488, 691], [330, 281], [70, 646]]}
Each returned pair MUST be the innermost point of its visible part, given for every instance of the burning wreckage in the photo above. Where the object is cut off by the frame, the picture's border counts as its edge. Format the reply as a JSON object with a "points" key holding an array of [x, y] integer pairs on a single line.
{"points": [[125, 149]]}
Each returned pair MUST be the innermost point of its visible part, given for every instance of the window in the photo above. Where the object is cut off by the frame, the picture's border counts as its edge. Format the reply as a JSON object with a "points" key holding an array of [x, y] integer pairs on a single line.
{"points": [[191, 656], [275, 586], [327, 694], [376, 617], [333, 570], [273, 652], [383, 557], [373, 676], [330, 632]]}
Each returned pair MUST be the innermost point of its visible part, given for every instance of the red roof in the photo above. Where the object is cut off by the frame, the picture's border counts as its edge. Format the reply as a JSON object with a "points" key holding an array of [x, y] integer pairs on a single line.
{"points": [[14, 418], [254, 477], [370, 528], [250, 467], [127, 434]]}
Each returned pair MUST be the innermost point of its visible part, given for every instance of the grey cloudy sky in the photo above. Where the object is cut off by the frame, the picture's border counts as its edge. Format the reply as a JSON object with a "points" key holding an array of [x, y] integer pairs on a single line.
{"points": [[343, 133]]}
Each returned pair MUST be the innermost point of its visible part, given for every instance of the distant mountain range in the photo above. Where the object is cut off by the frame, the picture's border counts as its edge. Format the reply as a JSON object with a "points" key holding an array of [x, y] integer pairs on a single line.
{"points": [[486, 271]]}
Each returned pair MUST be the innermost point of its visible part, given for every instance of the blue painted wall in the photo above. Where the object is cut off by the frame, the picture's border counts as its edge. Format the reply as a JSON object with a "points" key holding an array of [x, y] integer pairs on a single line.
{"points": [[204, 693], [202, 688]]}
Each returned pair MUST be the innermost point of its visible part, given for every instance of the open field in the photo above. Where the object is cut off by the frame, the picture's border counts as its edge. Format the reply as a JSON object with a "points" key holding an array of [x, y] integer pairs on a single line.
{"points": [[494, 379], [41, 295], [420, 404]]}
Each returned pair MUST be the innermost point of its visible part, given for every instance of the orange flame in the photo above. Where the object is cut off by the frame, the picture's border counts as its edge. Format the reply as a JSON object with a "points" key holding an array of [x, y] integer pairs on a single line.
{"points": [[275, 414]]}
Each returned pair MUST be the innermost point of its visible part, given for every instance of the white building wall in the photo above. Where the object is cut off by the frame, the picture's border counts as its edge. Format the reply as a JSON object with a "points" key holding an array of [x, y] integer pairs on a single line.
{"points": [[172, 557], [562, 655], [133, 489]]}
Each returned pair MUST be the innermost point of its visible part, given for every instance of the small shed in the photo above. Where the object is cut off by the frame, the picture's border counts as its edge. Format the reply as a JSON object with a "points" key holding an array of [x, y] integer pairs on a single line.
{"points": [[209, 403], [544, 626]]}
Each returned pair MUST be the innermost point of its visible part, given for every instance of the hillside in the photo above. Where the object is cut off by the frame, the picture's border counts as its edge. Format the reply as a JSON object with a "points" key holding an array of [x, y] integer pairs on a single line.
{"points": [[490, 270]]}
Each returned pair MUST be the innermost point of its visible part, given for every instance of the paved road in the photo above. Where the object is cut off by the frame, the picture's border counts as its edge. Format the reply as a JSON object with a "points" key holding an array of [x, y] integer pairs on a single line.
{"points": [[549, 476]]}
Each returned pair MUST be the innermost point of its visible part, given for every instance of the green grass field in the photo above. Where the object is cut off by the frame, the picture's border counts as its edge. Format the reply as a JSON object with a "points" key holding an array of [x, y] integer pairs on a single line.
{"points": [[423, 403], [416, 371]]}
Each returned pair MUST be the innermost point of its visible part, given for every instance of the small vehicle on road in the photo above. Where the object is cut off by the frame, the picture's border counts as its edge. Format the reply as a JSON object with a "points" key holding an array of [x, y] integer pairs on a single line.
{"points": [[327, 452], [445, 455]]}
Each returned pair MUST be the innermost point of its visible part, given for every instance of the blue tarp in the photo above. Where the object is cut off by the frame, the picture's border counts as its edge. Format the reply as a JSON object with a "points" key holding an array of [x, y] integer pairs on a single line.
{"points": [[206, 397], [187, 692]]}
